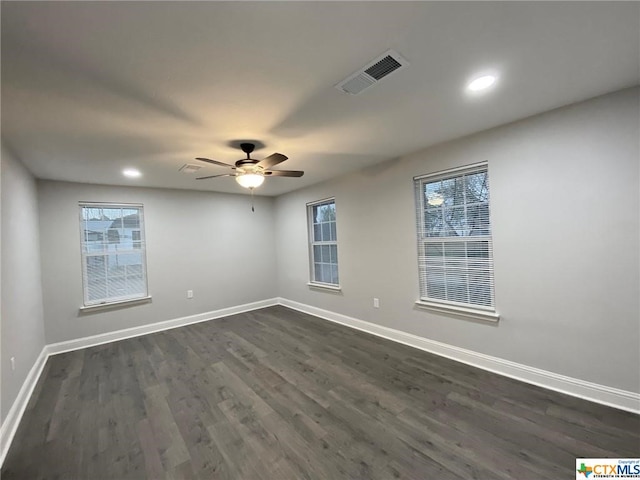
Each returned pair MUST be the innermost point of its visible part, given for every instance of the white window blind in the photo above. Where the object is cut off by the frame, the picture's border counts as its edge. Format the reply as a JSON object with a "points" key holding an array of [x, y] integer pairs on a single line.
{"points": [[323, 242], [113, 253], [455, 255]]}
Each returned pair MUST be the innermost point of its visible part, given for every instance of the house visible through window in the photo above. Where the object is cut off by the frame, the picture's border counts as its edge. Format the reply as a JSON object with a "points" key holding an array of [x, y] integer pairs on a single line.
{"points": [[455, 259], [323, 242], [113, 253]]}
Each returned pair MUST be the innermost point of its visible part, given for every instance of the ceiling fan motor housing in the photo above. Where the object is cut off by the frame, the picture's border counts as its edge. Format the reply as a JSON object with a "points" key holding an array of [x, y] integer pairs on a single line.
{"points": [[247, 165]]}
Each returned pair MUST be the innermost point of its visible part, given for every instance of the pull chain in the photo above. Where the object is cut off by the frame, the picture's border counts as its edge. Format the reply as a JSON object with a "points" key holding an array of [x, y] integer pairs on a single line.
{"points": [[252, 209]]}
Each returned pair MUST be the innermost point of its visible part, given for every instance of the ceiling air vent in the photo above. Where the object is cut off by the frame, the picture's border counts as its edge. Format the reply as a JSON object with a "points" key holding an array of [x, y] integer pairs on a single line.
{"points": [[189, 168], [372, 73]]}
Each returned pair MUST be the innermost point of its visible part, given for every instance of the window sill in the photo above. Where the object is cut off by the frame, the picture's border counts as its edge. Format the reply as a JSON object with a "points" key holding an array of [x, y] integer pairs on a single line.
{"points": [[476, 314], [121, 303], [325, 286]]}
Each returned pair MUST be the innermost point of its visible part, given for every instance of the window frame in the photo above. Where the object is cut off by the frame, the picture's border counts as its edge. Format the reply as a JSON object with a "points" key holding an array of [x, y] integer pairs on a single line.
{"points": [[312, 242], [138, 247], [464, 309]]}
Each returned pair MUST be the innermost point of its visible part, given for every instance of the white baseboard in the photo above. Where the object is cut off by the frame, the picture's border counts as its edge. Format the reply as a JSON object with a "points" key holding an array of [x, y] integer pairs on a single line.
{"points": [[613, 397], [12, 420], [102, 338]]}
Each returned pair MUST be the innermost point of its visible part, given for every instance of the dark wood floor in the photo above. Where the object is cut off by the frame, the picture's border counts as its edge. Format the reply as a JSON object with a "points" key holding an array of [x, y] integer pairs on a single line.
{"points": [[277, 394]]}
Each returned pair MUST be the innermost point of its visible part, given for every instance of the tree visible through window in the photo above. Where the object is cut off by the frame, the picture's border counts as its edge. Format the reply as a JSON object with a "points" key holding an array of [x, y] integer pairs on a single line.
{"points": [[113, 253], [324, 244], [455, 258]]}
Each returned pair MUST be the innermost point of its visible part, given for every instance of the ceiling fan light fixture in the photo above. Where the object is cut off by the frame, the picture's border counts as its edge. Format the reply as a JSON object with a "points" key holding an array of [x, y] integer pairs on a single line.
{"points": [[250, 180]]}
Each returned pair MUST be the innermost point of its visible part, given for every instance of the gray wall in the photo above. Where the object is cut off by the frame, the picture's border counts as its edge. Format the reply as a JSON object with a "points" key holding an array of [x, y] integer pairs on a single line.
{"points": [[564, 211], [209, 243], [22, 327]]}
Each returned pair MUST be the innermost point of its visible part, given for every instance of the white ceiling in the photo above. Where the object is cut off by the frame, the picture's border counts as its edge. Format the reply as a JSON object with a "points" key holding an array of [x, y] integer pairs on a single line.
{"points": [[89, 88]]}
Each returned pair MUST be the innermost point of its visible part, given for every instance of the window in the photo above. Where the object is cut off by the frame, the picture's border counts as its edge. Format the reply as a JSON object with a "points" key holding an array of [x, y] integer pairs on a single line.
{"points": [[323, 243], [113, 253], [455, 259]]}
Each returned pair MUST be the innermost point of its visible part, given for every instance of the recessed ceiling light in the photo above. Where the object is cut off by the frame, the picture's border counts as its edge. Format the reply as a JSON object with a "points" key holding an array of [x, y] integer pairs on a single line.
{"points": [[481, 83], [131, 173]]}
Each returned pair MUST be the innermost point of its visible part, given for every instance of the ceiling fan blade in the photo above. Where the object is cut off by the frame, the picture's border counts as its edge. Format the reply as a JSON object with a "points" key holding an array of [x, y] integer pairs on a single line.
{"points": [[272, 160], [284, 173], [215, 162], [214, 176]]}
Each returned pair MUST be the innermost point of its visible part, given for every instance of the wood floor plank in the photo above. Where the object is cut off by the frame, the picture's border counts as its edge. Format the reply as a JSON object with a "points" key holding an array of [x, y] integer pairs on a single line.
{"points": [[275, 394]]}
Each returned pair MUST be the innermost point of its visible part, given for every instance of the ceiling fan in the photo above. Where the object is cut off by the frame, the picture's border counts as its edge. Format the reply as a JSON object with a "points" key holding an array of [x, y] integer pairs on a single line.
{"points": [[249, 172]]}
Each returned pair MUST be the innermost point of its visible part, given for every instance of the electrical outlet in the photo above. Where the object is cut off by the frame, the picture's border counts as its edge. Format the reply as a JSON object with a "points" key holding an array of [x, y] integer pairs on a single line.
{"points": [[189, 293], [13, 363], [376, 303]]}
